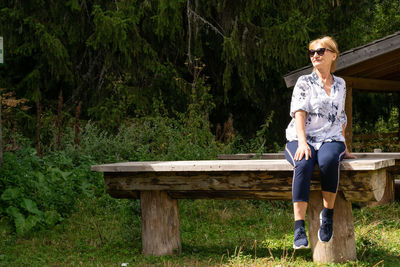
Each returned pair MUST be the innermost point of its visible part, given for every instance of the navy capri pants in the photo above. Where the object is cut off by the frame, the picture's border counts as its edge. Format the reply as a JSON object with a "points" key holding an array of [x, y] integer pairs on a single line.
{"points": [[328, 158]]}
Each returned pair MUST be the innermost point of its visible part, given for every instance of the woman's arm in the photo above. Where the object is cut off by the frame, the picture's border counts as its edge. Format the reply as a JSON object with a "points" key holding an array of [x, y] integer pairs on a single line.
{"points": [[347, 155], [303, 149]]}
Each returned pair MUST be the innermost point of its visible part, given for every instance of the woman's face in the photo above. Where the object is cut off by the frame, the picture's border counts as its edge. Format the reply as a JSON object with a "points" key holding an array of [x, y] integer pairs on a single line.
{"points": [[324, 61]]}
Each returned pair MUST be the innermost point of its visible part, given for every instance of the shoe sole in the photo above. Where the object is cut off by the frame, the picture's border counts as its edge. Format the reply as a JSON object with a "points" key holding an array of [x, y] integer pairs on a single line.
{"points": [[320, 222], [301, 247]]}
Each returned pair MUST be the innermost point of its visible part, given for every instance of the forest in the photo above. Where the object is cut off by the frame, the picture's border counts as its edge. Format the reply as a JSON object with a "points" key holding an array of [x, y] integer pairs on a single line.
{"points": [[88, 82]]}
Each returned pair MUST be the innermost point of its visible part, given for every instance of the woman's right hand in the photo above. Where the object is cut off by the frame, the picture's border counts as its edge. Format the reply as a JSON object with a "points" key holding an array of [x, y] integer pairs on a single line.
{"points": [[303, 149]]}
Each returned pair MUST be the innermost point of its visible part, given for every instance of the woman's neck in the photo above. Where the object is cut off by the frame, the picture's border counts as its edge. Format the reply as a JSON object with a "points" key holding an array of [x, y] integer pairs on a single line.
{"points": [[324, 75]]}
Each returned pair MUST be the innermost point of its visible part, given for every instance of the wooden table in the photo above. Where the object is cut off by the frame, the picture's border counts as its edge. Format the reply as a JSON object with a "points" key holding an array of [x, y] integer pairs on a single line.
{"points": [[160, 184]]}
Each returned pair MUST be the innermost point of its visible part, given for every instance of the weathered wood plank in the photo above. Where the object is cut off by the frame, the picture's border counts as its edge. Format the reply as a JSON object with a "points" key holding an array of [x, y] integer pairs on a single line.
{"points": [[231, 165], [373, 85], [195, 166], [355, 185], [251, 156], [363, 155]]}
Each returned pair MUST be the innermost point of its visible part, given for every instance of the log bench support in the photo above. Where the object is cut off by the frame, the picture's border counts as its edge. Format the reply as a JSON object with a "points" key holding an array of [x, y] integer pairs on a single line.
{"points": [[342, 247], [160, 224], [159, 185], [161, 236]]}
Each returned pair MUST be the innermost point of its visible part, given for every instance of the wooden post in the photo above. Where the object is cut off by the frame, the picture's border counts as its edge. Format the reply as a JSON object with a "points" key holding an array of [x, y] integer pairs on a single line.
{"points": [[160, 224], [349, 114], [397, 189], [342, 247]]}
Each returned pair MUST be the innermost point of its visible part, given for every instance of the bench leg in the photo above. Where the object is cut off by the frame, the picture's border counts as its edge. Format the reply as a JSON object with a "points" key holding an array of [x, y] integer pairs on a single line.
{"points": [[160, 224], [342, 247]]}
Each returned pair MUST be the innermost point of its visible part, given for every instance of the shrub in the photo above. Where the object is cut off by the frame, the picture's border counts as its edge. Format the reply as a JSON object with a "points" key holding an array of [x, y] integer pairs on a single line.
{"points": [[40, 192]]}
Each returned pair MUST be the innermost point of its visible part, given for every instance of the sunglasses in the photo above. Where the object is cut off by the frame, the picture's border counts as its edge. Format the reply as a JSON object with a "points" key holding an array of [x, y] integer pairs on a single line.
{"points": [[320, 52]]}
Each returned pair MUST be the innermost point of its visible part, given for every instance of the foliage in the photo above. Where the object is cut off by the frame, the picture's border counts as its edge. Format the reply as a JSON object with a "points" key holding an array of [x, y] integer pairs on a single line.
{"points": [[118, 56], [40, 192], [12, 112], [376, 133], [261, 143]]}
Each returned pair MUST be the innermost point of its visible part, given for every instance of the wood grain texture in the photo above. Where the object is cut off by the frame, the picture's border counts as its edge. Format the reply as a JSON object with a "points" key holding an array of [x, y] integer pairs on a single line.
{"points": [[349, 114], [160, 224], [342, 247], [231, 165], [358, 186], [388, 196], [374, 85]]}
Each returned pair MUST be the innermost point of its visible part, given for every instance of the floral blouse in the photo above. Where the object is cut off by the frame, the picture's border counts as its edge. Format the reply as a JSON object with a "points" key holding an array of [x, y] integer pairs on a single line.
{"points": [[325, 114]]}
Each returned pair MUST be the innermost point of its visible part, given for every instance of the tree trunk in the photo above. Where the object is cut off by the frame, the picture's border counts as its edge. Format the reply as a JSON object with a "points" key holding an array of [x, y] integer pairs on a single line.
{"points": [[1, 137], [59, 119], [160, 224], [77, 126], [38, 125], [342, 247]]}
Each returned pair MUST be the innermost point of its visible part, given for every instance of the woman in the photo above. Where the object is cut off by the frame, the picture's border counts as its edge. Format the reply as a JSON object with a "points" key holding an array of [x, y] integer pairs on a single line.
{"points": [[316, 135]]}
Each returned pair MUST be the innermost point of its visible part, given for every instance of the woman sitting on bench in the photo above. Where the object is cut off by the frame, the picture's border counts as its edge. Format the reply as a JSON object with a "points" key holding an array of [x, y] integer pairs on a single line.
{"points": [[316, 135]]}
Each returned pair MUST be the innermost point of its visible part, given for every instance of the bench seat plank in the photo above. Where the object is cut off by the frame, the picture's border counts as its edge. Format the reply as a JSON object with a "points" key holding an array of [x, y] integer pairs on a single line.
{"points": [[232, 165]]}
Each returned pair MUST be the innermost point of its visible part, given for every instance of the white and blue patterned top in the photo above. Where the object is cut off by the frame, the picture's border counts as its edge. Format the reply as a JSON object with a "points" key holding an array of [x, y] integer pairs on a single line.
{"points": [[325, 114]]}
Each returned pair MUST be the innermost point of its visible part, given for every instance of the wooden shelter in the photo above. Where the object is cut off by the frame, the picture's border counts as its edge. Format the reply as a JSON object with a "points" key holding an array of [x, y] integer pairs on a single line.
{"points": [[374, 67]]}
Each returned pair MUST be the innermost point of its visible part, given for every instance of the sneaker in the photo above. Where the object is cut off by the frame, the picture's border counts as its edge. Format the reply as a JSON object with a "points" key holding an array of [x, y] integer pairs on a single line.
{"points": [[300, 239], [325, 231]]}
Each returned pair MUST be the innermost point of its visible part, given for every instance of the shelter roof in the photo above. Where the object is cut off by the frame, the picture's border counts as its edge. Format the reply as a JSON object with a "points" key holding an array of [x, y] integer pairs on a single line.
{"points": [[373, 67]]}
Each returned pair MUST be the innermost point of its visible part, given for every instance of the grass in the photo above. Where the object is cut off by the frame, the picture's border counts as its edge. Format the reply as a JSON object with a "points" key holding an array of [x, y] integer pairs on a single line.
{"points": [[106, 232]]}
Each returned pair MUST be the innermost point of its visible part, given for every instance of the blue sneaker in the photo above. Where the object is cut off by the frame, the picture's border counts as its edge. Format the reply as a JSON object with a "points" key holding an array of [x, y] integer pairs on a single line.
{"points": [[300, 239], [325, 232]]}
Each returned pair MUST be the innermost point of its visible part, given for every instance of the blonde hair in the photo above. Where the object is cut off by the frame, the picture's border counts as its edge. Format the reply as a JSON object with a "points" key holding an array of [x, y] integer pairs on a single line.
{"points": [[329, 43]]}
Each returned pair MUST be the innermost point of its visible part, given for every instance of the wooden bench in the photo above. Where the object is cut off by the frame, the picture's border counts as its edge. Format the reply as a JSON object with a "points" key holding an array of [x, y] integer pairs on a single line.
{"points": [[392, 190], [158, 185]]}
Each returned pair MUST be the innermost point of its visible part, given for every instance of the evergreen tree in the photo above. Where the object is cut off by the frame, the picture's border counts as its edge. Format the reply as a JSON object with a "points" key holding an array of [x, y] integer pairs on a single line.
{"points": [[121, 57]]}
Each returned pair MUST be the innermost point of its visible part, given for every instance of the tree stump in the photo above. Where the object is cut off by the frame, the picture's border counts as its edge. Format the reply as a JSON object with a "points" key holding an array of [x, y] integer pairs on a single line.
{"points": [[160, 224], [342, 247]]}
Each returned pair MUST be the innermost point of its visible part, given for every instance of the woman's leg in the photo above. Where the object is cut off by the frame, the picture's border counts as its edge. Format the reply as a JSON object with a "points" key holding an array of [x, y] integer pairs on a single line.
{"points": [[329, 157], [302, 174]]}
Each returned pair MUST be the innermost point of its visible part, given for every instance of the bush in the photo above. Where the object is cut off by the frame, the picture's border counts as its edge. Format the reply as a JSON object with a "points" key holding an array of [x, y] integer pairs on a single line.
{"points": [[38, 192], [148, 138]]}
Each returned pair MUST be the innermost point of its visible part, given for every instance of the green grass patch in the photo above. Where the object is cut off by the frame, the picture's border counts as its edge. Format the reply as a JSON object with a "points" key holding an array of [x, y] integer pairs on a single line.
{"points": [[107, 232]]}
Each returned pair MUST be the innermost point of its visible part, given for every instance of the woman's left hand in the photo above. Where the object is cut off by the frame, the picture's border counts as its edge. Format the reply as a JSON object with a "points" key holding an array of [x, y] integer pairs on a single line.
{"points": [[348, 155]]}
